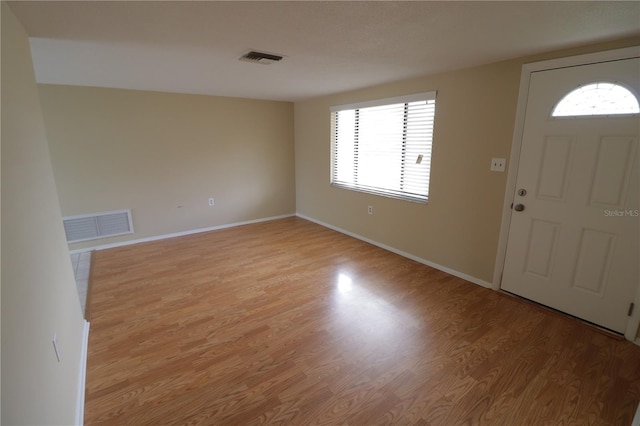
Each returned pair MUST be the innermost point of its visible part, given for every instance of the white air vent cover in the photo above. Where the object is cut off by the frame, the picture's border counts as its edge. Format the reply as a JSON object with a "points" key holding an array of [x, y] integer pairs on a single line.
{"points": [[97, 225]]}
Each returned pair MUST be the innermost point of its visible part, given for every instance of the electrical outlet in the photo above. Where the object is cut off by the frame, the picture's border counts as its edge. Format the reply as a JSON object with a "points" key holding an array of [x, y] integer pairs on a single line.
{"points": [[497, 164], [211, 202], [370, 209]]}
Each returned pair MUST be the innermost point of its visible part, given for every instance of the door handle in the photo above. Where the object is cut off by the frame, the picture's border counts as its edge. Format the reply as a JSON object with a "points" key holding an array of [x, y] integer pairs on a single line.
{"points": [[518, 207]]}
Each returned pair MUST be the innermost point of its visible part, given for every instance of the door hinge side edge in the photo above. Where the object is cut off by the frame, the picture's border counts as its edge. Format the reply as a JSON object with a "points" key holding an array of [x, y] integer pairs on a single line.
{"points": [[630, 311]]}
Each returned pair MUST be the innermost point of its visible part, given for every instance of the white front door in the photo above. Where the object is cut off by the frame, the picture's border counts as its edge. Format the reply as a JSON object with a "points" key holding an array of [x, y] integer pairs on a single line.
{"points": [[574, 233]]}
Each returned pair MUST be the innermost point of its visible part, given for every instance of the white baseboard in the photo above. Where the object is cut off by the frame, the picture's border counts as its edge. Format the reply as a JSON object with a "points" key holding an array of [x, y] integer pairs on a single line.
{"points": [[326, 225], [82, 378], [450, 271], [177, 234]]}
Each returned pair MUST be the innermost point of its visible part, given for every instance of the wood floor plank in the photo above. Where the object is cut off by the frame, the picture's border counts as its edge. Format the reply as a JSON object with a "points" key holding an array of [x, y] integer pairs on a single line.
{"points": [[287, 322]]}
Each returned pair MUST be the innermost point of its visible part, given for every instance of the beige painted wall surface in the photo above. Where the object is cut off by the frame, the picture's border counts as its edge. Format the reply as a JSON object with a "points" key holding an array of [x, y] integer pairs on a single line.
{"points": [[39, 297], [163, 155], [459, 227]]}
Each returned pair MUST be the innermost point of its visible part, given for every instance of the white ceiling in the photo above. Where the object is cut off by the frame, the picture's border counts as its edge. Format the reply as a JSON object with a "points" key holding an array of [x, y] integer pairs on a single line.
{"points": [[329, 47]]}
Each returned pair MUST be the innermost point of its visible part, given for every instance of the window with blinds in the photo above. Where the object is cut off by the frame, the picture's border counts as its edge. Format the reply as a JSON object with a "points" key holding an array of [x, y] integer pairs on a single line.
{"points": [[384, 147]]}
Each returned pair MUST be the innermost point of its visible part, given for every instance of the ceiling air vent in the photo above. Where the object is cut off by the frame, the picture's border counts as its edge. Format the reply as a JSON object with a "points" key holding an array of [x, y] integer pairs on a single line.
{"points": [[260, 58]]}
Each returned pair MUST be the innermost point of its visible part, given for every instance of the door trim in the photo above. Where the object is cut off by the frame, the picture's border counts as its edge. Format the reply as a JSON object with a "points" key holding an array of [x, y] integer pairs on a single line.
{"points": [[527, 69]]}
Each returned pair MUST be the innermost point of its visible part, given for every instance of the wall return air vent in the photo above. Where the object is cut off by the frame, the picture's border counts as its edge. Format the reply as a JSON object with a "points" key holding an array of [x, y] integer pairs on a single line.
{"points": [[260, 58], [97, 225]]}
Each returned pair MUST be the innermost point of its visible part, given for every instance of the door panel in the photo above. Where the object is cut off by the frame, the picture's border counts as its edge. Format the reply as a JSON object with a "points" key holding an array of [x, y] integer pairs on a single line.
{"points": [[556, 156], [574, 246], [595, 251], [541, 250], [612, 171]]}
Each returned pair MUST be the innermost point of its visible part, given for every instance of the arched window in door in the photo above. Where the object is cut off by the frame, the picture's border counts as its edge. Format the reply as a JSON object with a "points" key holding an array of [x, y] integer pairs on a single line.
{"points": [[601, 98]]}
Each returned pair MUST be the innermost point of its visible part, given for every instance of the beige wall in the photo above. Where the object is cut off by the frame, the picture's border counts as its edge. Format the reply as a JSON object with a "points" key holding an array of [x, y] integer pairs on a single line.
{"points": [[163, 155], [38, 291], [459, 227]]}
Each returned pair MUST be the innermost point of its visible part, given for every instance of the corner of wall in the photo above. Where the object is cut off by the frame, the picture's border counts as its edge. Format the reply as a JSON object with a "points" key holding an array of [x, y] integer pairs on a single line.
{"points": [[39, 298]]}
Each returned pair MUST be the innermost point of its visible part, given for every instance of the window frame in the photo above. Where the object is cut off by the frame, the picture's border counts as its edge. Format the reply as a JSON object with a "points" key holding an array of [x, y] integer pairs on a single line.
{"points": [[386, 192]]}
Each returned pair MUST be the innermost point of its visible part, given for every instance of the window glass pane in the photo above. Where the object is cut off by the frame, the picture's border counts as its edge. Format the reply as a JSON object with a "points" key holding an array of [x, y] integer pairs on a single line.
{"points": [[380, 146], [418, 147], [344, 152], [597, 99]]}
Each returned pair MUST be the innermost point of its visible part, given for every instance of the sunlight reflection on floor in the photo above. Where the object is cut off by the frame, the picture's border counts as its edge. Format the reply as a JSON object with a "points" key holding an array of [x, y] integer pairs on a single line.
{"points": [[368, 318]]}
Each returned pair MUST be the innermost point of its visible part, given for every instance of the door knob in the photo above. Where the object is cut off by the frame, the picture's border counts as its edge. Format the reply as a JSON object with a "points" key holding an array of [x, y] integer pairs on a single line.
{"points": [[518, 207]]}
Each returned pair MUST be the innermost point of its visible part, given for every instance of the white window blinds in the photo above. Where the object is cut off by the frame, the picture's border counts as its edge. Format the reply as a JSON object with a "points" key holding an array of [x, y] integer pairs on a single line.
{"points": [[384, 146]]}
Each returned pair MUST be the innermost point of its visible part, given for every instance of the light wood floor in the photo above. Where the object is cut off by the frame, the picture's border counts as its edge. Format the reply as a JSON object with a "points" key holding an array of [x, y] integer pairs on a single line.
{"points": [[287, 322]]}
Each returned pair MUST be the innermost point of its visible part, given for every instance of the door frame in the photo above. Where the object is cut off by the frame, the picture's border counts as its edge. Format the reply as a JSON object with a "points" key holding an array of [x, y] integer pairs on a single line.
{"points": [[528, 69]]}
